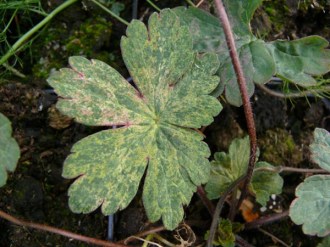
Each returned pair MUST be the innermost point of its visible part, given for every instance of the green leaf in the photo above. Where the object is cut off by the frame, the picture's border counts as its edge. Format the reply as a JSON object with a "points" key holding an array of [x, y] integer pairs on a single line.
{"points": [[208, 35], [320, 148], [299, 60], [225, 235], [227, 168], [311, 208], [265, 183], [9, 150], [325, 242], [171, 97]]}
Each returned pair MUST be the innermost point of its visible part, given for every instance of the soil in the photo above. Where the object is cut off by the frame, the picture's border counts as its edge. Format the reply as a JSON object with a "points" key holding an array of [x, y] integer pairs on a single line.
{"points": [[37, 192]]}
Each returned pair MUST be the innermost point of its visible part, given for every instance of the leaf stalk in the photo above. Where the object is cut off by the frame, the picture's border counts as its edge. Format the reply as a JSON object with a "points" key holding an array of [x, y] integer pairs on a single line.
{"points": [[244, 94], [248, 116], [62, 232]]}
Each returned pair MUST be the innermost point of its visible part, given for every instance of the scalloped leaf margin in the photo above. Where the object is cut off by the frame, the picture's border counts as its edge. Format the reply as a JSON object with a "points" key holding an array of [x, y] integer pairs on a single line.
{"points": [[158, 114]]}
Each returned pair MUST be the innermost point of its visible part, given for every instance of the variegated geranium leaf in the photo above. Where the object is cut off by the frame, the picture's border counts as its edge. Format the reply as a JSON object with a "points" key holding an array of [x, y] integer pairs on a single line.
{"points": [[156, 119]]}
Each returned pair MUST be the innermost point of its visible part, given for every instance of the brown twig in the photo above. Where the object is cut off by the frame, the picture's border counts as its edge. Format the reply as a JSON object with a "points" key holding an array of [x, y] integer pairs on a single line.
{"points": [[241, 242], [62, 232], [273, 237], [218, 209], [207, 203], [244, 94], [266, 220]]}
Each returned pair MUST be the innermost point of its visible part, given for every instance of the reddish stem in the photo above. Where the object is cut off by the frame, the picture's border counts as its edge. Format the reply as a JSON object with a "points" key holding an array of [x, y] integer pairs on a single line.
{"points": [[65, 233], [244, 94], [207, 203], [266, 220]]}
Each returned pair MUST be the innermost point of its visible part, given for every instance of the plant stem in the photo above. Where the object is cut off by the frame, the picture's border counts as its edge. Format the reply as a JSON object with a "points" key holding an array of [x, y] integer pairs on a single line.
{"points": [[244, 94], [62, 232], [275, 239], [33, 30], [207, 203], [280, 169], [110, 12], [190, 3], [266, 220], [218, 209], [153, 5], [293, 95]]}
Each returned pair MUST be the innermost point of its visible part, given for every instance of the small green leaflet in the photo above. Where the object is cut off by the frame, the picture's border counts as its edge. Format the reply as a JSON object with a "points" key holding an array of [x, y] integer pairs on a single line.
{"points": [[320, 148], [311, 208], [225, 235], [9, 150], [227, 168], [173, 85], [297, 61]]}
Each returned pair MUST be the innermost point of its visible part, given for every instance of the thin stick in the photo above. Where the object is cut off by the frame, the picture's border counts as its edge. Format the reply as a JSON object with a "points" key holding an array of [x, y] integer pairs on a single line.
{"points": [[218, 209], [207, 203], [292, 95], [110, 12], [244, 94], [241, 242], [65, 233], [33, 30], [274, 237], [153, 5], [266, 220], [200, 2], [144, 233]]}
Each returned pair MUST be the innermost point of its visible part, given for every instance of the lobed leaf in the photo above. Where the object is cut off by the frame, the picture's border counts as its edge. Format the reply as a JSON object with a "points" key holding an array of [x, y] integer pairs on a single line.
{"points": [[227, 168], [299, 60], [170, 97], [265, 183], [320, 148], [9, 150], [208, 35], [311, 208]]}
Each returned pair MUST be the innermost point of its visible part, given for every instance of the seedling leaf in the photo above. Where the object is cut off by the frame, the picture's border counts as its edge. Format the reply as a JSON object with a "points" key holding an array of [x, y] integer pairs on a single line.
{"points": [[225, 235], [9, 150], [320, 148], [171, 97], [311, 208], [299, 60], [265, 183], [208, 35], [227, 168]]}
